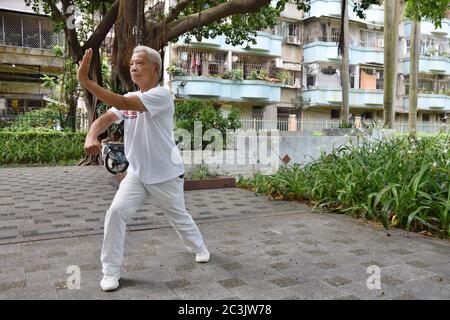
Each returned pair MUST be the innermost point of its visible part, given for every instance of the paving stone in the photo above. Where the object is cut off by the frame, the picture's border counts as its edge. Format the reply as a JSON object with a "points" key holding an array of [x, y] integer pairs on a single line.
{"points": [[276, 250], [177, 284], [390, 281], [337, 281], [231, 283], [284, 282]]}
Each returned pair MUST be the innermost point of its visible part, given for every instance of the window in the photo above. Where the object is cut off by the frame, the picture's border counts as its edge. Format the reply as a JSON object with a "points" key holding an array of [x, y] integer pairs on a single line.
{"points": [[371, 38], [329, 71], [425, 117], [335, 114], [250, 62], [426, 46], [201, 62], [310, 80], [367, 115], [257, 111]]}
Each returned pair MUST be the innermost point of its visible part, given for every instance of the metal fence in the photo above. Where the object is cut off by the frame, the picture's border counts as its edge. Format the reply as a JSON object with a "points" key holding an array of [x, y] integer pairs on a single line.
{"points": [[247, 123], [423, 127], [28, 31], [283, 124]]}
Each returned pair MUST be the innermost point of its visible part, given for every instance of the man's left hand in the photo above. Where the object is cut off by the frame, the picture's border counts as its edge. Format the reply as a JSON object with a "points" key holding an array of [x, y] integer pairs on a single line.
{"points": [[83, 69]]}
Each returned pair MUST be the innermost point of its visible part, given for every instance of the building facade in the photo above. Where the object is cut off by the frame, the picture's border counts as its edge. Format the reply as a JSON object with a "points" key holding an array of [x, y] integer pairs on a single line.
{"points": [[27, 42], [300, 55]]}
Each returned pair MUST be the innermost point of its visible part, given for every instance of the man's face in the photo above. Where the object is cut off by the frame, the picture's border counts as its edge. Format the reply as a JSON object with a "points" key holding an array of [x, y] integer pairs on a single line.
{"points": [[141, 69]]}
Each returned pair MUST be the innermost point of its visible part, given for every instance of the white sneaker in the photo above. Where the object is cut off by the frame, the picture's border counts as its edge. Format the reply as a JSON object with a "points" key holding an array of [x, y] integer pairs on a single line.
{"points": [[202, 256], [109, 283]]}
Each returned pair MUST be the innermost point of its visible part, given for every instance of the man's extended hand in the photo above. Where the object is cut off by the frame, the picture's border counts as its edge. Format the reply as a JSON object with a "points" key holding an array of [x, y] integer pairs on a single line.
{"points": [[92, 146], [83, 69]]}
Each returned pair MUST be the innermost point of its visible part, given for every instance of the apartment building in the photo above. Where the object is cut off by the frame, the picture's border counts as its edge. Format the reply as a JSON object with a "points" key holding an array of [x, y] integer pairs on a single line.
{"points": [[321, 83], [434, 71], [301, 56], [26, 54]]}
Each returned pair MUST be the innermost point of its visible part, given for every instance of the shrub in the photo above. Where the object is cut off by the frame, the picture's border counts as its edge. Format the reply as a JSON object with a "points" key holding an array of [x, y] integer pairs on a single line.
{"points": [[189, 111], [40, 146], [401, 181]]}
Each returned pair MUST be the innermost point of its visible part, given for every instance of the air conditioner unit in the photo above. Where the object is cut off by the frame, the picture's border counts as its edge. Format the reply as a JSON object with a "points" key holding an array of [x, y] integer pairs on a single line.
{"points": [[380, 43]]}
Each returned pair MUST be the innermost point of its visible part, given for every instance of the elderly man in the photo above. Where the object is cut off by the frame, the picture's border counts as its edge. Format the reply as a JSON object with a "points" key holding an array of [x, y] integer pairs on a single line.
{"points": [[155, 166]]}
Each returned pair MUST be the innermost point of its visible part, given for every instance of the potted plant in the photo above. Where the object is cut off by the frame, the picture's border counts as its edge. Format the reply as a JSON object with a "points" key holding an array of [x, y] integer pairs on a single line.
{"points": [[175, 70]]}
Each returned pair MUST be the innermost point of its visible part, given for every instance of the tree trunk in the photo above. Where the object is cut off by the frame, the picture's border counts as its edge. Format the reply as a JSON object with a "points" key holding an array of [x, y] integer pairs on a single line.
{"points": [[129, 31], [391, 19], [414, 74], [345, 68]]}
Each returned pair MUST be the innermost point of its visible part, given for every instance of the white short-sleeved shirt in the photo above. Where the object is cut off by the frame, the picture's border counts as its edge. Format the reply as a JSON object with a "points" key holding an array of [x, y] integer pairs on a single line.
{"points": [[149, 140]]}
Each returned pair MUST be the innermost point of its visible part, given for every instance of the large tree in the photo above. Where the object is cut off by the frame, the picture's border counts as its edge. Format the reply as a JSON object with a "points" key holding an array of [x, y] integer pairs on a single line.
{"points": [[391, 22], [345, 66], [417, 10], [238, 20]]}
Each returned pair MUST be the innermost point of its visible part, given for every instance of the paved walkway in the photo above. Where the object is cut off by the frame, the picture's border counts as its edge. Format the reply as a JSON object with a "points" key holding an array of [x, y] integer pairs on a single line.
{"points": [[51, 218]]}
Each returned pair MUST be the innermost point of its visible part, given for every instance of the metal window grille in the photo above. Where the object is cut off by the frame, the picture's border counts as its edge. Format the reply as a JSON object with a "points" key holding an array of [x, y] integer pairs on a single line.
{"points": [[28, 31], [370, 39], [248, 63], [196, 62], [431, 83], [321, 31]]}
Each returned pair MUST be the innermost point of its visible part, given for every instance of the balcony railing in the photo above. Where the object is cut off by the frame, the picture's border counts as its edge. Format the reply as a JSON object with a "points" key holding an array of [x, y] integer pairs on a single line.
{"points": [[28, 31]]}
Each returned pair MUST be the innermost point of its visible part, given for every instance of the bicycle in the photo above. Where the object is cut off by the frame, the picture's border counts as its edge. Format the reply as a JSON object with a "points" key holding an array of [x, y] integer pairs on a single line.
{"points": [[114, 157]]}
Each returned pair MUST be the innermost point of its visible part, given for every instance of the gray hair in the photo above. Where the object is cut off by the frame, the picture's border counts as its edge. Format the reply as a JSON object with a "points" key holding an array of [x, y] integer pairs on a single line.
{"points": [[152, 54]]}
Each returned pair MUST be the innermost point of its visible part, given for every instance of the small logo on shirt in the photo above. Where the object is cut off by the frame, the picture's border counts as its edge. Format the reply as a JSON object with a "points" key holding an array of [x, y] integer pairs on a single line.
{"points": [[131, 114]]}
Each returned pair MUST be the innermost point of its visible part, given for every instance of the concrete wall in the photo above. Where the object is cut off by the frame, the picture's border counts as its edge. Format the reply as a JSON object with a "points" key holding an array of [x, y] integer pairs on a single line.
{"points": [[36, 57], [291, 53], [316, 115], [301, 147]]}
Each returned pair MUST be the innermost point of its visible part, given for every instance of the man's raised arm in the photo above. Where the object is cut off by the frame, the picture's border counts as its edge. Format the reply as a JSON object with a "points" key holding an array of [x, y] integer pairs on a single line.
{"points": [[108, 97]]}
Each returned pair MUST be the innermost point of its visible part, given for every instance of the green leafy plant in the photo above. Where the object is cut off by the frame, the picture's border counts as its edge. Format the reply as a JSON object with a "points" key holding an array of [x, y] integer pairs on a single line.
{"points": [[235, 74], [40, 146], [175, 70], [284, 77], [200, 172], [187, 112], [401, 181]]}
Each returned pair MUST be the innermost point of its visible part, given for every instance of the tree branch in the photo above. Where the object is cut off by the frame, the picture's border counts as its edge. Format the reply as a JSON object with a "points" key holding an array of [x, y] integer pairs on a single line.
{"points": [[103, 28], [71, 34], [181, 5], [193, 21], [57, 14]]}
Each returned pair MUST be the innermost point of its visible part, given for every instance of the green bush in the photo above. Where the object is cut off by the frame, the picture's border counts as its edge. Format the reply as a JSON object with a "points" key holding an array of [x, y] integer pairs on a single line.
{"points": [[187, 112], [40, 146], [402, 181]]}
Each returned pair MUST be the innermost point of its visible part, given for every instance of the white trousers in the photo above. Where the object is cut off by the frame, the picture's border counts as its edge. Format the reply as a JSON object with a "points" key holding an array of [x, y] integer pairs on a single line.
{"points": [[169, 195]]}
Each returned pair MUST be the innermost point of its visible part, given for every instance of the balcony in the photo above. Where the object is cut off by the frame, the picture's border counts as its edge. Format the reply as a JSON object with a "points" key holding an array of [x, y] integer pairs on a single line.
{"points": [[431, 102], [375, 14], [328, 51], [266, 44], [321, 96], [428, 28], [228, 90], [436, 64]]}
